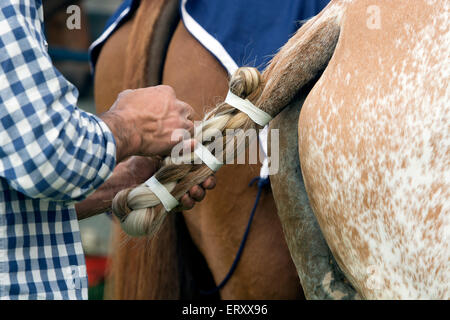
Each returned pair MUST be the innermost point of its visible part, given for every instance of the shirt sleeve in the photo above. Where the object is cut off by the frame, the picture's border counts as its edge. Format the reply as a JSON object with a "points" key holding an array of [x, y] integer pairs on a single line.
{"points": [[49, 148]]}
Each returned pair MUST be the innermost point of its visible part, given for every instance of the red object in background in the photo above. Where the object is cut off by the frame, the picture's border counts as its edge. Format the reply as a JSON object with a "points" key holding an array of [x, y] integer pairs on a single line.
{"points": [[96, 269]]}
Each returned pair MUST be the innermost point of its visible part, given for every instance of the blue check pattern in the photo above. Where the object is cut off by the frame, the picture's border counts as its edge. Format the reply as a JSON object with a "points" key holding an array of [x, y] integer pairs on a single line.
{"points": [[52, 155]]}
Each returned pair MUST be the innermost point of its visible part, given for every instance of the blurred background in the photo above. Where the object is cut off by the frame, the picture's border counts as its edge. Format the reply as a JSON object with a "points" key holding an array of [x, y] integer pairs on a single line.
{"points": [[69, 52]]}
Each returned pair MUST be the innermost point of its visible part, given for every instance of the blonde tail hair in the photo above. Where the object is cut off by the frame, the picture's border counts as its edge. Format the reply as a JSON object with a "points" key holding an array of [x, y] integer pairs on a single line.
{"points": [[139, 210]]}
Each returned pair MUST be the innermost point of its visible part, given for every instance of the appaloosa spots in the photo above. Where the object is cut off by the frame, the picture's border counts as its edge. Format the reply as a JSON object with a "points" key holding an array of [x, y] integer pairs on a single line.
{"points": [[374, 146]]}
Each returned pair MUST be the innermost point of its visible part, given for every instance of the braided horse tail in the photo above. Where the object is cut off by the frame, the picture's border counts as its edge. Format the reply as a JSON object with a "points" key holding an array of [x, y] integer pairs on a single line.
{"points": [[140, 210]]}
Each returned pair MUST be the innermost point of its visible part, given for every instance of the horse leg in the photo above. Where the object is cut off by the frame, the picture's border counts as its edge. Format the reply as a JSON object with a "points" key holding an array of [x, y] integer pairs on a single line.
{"points": [[319, 274], [217, 224]]}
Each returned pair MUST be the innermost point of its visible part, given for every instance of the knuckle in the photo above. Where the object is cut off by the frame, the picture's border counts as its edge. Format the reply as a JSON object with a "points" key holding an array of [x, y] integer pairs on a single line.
{"points": [[189, 124], [184, 124], [189, 108], [210, 183], [124, 93], [167, 89], [197, 193], [188, 203], [193, 190], [184, 106], [201, 195]]}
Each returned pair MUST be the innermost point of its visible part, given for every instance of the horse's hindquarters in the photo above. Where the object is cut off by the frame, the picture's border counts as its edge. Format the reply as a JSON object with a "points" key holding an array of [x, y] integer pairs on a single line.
{"points": [[373, 144]]}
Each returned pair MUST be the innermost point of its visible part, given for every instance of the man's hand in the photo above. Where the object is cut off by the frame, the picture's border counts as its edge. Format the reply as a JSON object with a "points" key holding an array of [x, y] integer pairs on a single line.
{"points": [[143, 121], [130, 173], [197, 193], [140, 169]]}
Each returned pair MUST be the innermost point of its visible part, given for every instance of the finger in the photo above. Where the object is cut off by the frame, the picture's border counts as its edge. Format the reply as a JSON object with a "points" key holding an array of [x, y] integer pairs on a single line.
{"points": [[209, 183], [197, 193], [187, 202], [186, 110], [120, 96], [162, 87], [190, 116], [124, 93], [188, 125]]}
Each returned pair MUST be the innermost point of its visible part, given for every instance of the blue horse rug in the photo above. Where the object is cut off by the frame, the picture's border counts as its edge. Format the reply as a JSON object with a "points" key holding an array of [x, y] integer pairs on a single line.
{"points": [[236, 32]]}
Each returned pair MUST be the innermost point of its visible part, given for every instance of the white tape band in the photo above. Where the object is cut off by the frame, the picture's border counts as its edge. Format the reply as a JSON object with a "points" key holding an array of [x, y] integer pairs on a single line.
{"points": [[257, 115], [168, 201], [207, 157]]}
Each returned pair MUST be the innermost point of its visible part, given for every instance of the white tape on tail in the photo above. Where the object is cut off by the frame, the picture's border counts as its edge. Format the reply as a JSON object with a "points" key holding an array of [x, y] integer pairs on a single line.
{"points": [[168, 201], [207, 157], [257, 115]]}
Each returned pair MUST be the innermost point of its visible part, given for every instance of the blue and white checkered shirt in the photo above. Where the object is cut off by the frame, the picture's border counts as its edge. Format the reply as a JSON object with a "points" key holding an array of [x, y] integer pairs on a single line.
{"points": [[51, 155]]}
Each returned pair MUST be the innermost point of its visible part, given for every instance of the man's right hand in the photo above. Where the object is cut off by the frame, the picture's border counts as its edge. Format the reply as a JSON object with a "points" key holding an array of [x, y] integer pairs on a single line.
{"points": [[143, 121]]}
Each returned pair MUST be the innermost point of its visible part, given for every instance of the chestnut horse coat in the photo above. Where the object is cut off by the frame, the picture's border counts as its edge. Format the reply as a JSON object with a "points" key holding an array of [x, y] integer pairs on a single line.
{"points": [[374, 140]]}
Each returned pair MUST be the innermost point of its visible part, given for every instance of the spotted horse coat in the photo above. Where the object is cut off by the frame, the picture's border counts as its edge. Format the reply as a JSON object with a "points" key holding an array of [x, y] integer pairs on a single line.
{"points": [[371, 78]]}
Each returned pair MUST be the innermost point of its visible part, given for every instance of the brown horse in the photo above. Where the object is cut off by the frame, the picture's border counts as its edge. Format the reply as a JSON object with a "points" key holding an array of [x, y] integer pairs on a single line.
{"points": [[139, 55], [74, 40]]}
